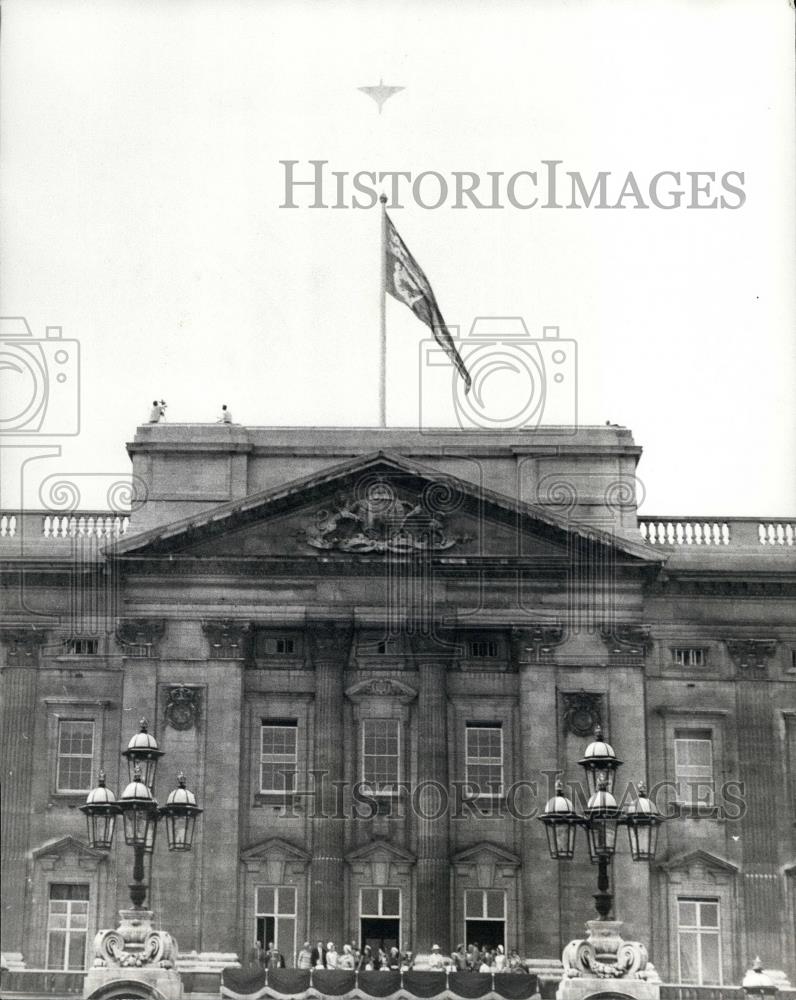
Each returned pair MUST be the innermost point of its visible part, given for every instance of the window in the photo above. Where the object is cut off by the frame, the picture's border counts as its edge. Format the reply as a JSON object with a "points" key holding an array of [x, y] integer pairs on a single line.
{"points": [[698, 941], [484, 757], [275, 919], [689, 656], [277, 645], [75, 755], [278, 743], [380, 902], [693, 766], [67, 926], [483, 649], [485, 917], [380, 918], [380, 753], [141, 650], [82, 647]]}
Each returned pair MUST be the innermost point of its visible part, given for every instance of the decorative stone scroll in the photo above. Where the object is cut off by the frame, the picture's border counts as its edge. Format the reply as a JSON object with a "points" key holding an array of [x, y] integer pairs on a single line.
{"points": [[627, 640], [751, 654], [134, 944], [377, 519], [582, 712], [603, 954]]}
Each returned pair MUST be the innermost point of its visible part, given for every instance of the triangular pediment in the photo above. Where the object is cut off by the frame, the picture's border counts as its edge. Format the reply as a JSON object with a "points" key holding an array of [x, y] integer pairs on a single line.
{"points": [[485, 852], [274, 848], [372, 506], [380, 850], [698, 858], [66, 846]]}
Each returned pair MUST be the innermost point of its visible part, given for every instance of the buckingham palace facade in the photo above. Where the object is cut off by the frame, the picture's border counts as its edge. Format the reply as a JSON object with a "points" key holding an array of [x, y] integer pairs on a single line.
{"points": [[372, 651]]}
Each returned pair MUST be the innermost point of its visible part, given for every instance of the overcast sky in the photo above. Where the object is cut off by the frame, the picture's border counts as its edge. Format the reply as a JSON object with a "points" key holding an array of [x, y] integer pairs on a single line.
{"points": [[141, 212]]}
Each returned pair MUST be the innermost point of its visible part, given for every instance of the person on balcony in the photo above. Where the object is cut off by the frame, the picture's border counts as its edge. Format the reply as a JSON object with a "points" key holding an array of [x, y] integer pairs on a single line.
{"points": [[459, 958], [436, 960], [366, 960], [331, 956], [274, 959], [346, 960], [319, 956], [304, 957]]}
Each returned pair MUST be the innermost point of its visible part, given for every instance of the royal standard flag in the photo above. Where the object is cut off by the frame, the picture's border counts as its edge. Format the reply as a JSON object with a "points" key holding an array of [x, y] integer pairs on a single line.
{"points": [[407, 283]]}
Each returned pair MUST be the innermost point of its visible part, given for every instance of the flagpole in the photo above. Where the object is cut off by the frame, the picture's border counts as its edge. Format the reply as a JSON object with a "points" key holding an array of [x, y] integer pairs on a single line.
{"points": [[383, 316]]}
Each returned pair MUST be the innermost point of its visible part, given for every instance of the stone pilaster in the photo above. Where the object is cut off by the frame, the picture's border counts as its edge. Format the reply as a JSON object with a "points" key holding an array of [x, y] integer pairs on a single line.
{"points": [[539, 876], [763, 900], [432, 889], [329, 644], [17, 721]]}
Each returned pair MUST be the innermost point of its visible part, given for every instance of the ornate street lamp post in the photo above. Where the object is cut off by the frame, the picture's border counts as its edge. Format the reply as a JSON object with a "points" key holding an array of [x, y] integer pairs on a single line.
{"points": [[134, 945], [604, 954]]}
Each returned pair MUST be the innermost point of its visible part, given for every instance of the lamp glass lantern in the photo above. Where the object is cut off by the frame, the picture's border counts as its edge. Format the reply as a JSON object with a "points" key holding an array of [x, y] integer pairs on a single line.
{"points": [[561, 824], [600, 763], [602, 818], [143, 753], [100, 810], [180, 812], [139, 812], [643, 820]]}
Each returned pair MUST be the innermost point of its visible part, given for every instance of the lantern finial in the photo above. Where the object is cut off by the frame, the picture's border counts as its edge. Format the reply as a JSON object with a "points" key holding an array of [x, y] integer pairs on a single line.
{"points": [[144, 725]]}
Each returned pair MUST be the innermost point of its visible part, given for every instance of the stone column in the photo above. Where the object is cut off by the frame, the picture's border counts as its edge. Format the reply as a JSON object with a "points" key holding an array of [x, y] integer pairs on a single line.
{"points": [[330, 644], [16, 751], [433, 921], [539, 877]]}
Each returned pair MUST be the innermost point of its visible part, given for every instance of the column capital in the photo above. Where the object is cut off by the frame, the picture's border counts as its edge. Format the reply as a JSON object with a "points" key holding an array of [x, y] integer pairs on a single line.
{"points": [[751, 655], [23, 643], [139, 631], [228, 637], [329, 640], [534, 642], [626, 639]]}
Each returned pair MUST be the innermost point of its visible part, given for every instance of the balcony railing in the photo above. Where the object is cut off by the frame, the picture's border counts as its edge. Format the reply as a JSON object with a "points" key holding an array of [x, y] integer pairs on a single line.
{"points": [[717, 533]]}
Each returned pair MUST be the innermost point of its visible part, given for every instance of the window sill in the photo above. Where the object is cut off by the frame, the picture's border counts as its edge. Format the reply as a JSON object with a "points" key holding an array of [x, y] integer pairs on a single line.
{"points": [[275, 798], [697, 810]]}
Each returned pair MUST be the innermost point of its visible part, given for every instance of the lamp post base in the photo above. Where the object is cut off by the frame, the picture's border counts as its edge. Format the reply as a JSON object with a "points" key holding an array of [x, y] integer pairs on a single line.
{"points": [[134, 953], [603, 963]]}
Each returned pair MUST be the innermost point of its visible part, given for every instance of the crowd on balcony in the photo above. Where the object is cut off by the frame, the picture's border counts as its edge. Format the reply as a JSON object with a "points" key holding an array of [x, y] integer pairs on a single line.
{"points": [[368, 959]]}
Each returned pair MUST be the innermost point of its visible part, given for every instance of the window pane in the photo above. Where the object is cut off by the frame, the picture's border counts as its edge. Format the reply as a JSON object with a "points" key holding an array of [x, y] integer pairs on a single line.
{"points": [[77, 950], [287, 900], [495, 904], [369, 902], [265, 900], [57, 921], [474, 903], [711, 975], [689, 972], [56, 950], [286, 938], [390, 902], [687, 913], [709, 914]]}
